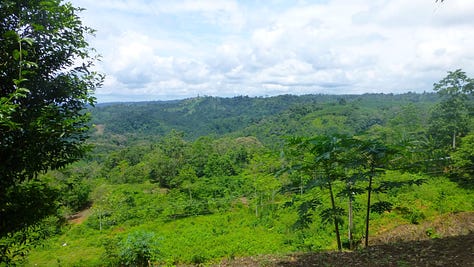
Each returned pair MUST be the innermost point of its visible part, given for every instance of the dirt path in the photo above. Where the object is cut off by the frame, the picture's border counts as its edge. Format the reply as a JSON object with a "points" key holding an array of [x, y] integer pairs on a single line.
{"points": [[79, 217]]}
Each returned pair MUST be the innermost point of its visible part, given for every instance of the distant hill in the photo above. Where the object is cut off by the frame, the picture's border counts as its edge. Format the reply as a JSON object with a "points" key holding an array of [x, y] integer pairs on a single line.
{"points": [[264, 117]]}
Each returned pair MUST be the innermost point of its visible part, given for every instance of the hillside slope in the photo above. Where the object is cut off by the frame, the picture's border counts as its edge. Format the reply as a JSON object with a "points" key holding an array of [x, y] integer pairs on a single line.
{"points": [[449, 251], [412, 248], [268, 119]]}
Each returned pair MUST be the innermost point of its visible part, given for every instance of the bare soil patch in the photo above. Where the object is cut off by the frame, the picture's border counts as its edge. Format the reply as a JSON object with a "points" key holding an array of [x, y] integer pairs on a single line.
{"points": [[99, 129], [446, 241], [444, 226], [79, 217], [449, 251]]}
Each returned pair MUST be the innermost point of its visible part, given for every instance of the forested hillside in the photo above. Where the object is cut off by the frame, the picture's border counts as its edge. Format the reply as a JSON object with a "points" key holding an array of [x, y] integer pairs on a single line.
{"points": [[269, 118], [167, 181]]}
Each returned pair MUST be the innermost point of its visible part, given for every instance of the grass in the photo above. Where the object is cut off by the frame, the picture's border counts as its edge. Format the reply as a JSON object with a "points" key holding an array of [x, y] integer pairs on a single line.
{"points": [[188, 240], [204, 238], [236, 233]]}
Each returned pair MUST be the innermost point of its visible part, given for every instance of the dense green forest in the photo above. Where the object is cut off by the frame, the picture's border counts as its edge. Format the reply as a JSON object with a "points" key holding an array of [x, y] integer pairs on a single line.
{"points": [[200, 180], [241, 116]]}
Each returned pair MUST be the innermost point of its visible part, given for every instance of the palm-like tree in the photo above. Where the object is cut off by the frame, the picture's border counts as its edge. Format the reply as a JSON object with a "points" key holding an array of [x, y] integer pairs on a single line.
{"points": [[375, 157], [325, 161]]}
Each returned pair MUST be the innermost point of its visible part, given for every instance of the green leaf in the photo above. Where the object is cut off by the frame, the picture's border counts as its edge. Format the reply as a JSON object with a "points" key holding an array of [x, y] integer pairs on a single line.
{"points": [[381, 207], [37, 27], [11, 35], [29, 41], [16, 54], [17, 82], [22, 92]]}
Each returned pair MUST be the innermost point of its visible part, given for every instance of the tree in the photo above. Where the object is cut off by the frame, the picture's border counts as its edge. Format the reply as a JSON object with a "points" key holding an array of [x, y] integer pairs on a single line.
{"points": [[46, 82], [261, 170], [350, 191], [450, 118], [462, 169], [325, 165], [456, 83], [375, 156]]}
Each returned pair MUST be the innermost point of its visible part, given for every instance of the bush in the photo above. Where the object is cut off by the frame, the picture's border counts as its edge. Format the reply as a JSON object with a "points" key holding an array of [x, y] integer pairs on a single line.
{"points": [[75, 194], [135, 249]]}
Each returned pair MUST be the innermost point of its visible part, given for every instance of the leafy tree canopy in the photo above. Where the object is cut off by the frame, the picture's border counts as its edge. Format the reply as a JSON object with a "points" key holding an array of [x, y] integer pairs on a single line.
{"points": [[46, 82], [456, 83], [450, 118], [463, 162]]}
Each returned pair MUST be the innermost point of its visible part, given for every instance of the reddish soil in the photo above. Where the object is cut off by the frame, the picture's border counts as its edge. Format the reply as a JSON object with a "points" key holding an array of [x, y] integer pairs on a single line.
{"points": [[406, 245], [79, 217], [449, 251]]}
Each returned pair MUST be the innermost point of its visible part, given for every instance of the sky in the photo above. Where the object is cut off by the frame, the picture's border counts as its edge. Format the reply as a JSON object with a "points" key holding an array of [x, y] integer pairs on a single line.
{"points": [[166, 50]]}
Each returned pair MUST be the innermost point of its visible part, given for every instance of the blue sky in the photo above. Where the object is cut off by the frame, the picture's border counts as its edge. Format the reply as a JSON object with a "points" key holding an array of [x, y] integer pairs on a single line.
{"points": [[163, 50]]}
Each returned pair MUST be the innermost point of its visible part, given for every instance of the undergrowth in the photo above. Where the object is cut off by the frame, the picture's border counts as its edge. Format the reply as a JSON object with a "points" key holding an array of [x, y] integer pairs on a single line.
{"points": [[228, 231]]}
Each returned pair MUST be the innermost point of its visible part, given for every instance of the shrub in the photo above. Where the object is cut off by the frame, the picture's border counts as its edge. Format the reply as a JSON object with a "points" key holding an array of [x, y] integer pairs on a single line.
{"points": [[135, 249]]}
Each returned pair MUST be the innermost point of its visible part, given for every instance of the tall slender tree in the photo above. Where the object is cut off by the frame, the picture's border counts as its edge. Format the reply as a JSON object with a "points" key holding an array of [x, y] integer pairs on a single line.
{"points": [[324, 163], [375, 157], [450, 118]]}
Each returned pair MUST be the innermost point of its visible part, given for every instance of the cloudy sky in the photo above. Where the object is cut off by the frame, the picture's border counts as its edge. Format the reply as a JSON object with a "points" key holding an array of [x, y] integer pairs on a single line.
{"points": [[162, 50]]}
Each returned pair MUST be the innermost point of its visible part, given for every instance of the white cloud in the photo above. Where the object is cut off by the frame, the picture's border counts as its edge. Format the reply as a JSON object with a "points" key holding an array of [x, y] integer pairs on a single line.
{"points": [[177, 49]]}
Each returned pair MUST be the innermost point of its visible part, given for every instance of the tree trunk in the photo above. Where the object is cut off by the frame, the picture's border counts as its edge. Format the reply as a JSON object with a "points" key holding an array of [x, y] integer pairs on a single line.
{"points": [[256, 208], [367, 217], [256, 197], [301, 186], [351, 225], [454, 139], [100, 220], [336, 225]]}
